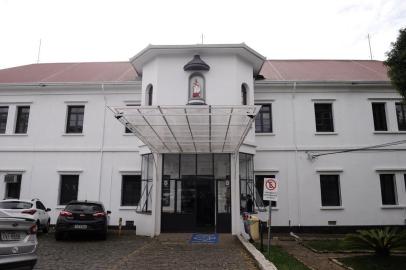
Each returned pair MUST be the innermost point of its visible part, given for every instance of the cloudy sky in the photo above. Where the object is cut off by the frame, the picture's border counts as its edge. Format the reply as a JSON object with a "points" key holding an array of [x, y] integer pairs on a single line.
{"points": [[87, 30]]}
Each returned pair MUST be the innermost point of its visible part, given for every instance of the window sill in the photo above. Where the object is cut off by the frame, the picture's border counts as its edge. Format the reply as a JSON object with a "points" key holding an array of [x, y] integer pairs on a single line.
{"points": [[15, 134], [73, 134], [389, 132], [264, 134], [332, 208], [127, 208], [326, 133], [128, 134], [393, 206]]}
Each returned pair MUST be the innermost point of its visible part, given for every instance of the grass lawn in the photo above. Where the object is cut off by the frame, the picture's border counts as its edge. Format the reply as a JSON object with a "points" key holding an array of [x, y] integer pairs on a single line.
{"points": [[375, 263], [335, 245], [282, 260]]}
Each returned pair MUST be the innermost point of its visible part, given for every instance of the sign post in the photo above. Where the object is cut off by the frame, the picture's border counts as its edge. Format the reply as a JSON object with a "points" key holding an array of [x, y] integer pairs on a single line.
{"points": [[270, 194]]}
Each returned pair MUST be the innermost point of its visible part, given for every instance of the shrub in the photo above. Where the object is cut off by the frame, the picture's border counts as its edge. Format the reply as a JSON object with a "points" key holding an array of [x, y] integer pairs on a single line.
{"points": [[380, 240]]}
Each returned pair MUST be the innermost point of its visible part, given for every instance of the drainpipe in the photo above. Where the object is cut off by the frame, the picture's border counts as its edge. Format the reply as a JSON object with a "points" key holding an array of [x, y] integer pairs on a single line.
{"points": [[102, 142], [299, 212]]}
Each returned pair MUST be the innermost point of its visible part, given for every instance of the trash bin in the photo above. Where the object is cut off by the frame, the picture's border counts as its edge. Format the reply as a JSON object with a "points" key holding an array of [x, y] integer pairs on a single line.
{"points": [[254, 227]]}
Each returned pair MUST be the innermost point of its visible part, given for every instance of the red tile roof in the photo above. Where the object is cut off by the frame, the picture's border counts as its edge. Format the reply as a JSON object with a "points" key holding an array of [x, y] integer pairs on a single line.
{"points": [[279, 70], [324, 70], [70, 72]]}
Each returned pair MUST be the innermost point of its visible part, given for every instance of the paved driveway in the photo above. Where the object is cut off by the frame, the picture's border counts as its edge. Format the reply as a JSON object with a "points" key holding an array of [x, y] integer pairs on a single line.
{"points": [[168, 251], [86, 254]]}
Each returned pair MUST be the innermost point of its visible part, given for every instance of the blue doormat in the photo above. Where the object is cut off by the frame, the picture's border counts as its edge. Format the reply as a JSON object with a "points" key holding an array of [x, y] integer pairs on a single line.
{"points": [[204, 238]]}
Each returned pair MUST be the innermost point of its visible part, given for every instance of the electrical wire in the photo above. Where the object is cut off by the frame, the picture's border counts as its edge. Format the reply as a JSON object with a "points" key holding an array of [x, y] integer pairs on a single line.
{"points": [[312, 155]]}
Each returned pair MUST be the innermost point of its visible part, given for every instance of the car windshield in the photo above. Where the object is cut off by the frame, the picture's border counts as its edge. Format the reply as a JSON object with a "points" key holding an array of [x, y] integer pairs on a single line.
{"points": [[84, 207], [15, 205]]}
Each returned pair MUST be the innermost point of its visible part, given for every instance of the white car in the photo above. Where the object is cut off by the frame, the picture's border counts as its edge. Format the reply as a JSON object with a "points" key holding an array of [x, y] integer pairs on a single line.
{"points": [[33, 209]]}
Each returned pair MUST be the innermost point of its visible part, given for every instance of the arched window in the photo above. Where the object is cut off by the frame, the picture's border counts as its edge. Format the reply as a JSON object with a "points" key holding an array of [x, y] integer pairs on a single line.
{"points": [[244, 98], [149, 95]]}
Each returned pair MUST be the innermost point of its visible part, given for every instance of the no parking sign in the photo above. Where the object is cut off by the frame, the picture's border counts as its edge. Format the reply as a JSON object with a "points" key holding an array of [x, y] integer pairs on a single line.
{"points": [[270, 189]]}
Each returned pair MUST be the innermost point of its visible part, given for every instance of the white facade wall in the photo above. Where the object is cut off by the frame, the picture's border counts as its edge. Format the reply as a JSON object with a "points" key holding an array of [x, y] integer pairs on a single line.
{"points": [[285, 154]]}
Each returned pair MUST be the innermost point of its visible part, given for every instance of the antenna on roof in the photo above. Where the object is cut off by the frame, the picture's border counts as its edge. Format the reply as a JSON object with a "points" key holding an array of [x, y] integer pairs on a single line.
{"points": [[39, 50], [370, 50], [202, 38]]}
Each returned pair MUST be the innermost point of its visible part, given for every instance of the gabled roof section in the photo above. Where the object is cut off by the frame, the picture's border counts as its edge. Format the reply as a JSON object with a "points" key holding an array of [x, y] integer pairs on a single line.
{"points": [[324, 70], [90, 72], [151, 51]]}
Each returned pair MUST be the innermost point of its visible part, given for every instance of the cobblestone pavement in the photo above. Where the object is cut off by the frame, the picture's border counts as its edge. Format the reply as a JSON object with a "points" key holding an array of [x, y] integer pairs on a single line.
{"points": [[86, 254], [173, 251], [168, 251]]}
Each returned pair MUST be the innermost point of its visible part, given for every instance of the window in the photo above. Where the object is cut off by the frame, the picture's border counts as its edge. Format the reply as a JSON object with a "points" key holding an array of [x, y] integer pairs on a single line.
{"points": [[244, 100], [130, 190], [150, 92], [13, 186], [74, 122], [379, 113], [401, 116], [404, 178], [68, 189], [388, 189], [23, 113], [259, 183], [3, 119], [263, 121], [330, 190], [324, 117]]}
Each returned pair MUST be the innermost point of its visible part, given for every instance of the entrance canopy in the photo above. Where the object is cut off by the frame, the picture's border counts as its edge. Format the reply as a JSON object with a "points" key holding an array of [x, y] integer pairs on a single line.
{"points": [[189, 128]]}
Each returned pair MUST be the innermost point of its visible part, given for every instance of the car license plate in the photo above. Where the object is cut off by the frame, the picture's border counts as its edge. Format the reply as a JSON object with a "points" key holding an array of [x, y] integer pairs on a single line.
{"points": [[79, 226], [11, 236]]}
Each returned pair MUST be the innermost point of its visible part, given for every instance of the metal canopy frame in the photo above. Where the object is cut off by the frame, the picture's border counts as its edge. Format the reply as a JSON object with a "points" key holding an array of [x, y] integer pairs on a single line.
{"points": [[189, 128]]}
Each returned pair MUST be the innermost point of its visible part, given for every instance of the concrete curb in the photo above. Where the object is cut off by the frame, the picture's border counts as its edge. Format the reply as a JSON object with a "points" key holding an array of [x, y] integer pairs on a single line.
{"points": [[334, 260], [259, 258]]}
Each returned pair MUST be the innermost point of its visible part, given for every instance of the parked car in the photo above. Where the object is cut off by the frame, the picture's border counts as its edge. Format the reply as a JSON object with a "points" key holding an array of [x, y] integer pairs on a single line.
{"points": [[33, 209], [82, 217], [18, 242]]}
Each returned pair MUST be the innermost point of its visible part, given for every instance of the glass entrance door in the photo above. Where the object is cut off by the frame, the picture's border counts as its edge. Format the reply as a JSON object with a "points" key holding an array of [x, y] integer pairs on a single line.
{"points": [[196, 193], [205, 203]]}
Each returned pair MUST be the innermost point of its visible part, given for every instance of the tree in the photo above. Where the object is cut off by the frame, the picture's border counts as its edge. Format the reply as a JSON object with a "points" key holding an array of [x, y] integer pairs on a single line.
{"points": [[396, 63]]}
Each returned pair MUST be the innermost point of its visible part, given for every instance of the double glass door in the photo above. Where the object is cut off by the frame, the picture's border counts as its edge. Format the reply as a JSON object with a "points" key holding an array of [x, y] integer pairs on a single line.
{"points": [[196, 202]]}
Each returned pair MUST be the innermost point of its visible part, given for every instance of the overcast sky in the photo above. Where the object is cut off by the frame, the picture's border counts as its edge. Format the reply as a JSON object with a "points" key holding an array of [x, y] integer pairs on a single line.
{"points": [[85, 30]]}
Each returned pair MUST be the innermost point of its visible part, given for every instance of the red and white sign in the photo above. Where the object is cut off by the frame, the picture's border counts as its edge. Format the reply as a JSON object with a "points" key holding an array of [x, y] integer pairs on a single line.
{"points": [[270, 189]]}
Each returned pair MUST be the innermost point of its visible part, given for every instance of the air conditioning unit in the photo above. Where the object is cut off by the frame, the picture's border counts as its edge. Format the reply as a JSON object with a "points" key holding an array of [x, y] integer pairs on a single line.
{"points": [[11, 178]]}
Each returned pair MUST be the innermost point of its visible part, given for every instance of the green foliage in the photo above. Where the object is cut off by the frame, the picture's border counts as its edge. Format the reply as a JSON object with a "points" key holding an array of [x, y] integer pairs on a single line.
{"points": [[382, 241], [375, 263], [396, 63], [282, 260]]}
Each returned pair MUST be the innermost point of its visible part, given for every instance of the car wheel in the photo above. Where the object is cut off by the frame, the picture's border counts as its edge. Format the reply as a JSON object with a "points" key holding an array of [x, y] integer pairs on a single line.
{"points": [[46, 228], [58, 236]]}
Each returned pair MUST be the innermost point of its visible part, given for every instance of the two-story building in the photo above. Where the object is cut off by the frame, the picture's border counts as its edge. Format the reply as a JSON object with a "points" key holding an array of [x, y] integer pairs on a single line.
{"points": [[180, 137]]}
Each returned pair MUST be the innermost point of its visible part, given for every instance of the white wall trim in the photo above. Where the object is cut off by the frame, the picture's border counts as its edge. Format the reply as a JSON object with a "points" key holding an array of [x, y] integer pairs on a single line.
{"points": [[329, 170], [266, 171], [389, 169], [69, 171], [73, 102], [129, 171], [2, 170]]}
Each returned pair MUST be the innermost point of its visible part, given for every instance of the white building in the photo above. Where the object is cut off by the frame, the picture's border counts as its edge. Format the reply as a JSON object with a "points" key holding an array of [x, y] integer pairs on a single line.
{"points": [[60, 138]]}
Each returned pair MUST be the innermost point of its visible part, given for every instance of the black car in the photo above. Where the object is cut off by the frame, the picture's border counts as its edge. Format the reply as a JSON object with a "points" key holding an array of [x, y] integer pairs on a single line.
{"points": [[82, 217]]}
